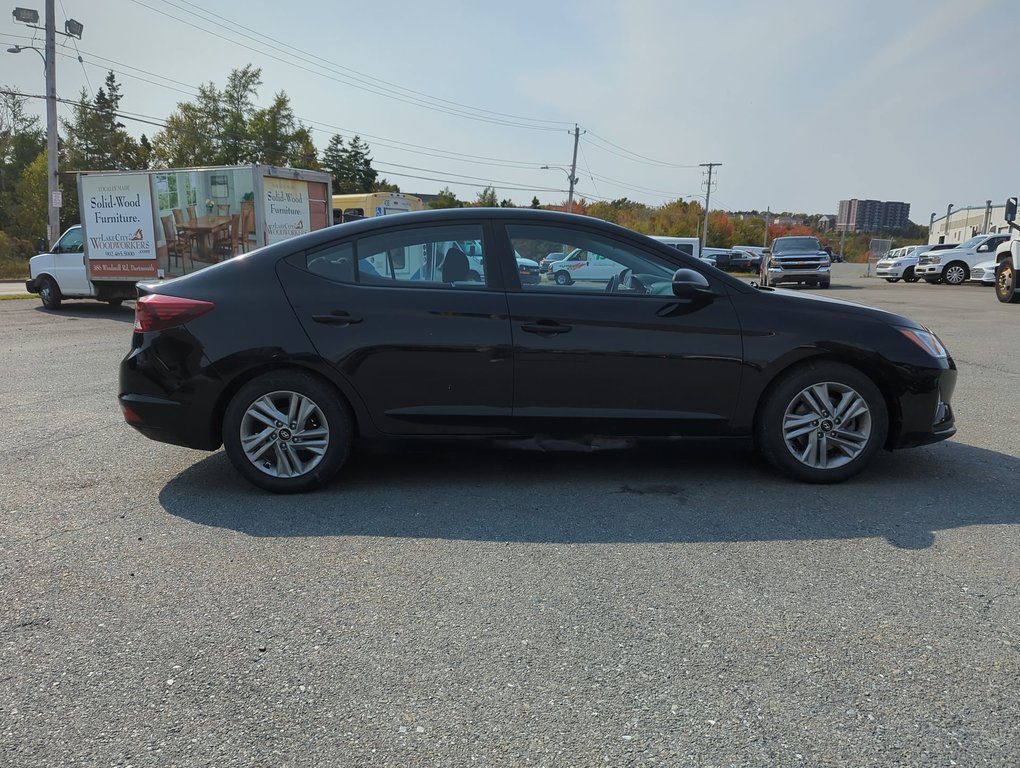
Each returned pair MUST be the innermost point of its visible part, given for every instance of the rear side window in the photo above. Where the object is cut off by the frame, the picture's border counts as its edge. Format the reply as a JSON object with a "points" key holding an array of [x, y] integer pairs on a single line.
{"points": [[424, 257]]}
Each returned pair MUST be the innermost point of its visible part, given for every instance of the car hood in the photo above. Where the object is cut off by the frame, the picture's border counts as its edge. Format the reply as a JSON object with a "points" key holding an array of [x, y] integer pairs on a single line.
{"points": [[814, 303]]}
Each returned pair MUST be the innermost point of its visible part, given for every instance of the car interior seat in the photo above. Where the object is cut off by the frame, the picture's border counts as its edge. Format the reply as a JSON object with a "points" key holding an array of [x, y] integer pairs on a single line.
{"points": [[455, 266]]}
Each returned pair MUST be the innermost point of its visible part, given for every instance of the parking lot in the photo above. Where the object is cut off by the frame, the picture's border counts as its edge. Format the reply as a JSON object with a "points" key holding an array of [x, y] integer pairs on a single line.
{"points": [[674, 606]]}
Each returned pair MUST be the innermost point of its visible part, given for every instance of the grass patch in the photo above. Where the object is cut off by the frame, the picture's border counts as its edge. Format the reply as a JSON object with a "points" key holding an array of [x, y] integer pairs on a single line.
{"points": [[9, 296]]}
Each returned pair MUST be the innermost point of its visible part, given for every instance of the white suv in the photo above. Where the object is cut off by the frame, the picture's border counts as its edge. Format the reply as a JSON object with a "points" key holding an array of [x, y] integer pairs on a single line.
{"points": [[952, 266]]}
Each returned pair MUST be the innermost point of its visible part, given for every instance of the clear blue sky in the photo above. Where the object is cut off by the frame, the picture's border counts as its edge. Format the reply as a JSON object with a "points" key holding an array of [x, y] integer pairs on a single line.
{"points": [[803, 103]]}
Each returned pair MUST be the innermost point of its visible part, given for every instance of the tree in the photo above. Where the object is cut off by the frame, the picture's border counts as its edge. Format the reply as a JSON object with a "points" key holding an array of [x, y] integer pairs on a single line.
{"points": [[21, 140], [446, 199], [275, 137], [535, 203], [30, 214], [94, 138], [382, 185], [350, 166], [487, 198]]}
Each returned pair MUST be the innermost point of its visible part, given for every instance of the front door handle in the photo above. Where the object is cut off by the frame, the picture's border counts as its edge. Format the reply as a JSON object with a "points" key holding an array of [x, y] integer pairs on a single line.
{"points": [[545, 328], [336, 317]]}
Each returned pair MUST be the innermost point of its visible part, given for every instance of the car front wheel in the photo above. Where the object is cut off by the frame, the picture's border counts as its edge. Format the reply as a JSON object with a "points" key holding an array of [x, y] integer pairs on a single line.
{"points": [[563, 278], [909, 276], [955, 274], [287, 432], [1005, 283], [50, 294], [822, 422]]}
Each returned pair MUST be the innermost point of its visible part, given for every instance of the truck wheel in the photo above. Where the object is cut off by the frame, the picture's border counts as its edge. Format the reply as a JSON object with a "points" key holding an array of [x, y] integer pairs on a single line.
{"points": [[287, 431], [821, 422], [824, 284], [1005, 283], [563, 278], [955, 273], [909, 276], [49, 292]]}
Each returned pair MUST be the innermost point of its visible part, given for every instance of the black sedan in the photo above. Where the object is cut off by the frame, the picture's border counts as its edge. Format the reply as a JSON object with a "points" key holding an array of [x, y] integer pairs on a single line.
{"points": [[372, 330]]}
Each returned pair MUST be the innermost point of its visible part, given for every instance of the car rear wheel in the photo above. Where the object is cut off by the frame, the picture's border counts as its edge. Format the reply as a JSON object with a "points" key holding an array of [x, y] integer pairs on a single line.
{"points": [[287, 432], [822, 423], [1005, 283], [49, 292], [955, 274]]}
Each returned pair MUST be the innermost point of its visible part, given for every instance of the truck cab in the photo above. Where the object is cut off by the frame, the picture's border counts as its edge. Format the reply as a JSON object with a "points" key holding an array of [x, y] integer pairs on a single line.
{"points": [[62, 272]]}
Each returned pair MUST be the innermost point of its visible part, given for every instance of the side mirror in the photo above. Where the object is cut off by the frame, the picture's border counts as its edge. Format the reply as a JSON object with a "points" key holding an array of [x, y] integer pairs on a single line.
{"points": [[688, 283], [1011, 209], [983, 248]]}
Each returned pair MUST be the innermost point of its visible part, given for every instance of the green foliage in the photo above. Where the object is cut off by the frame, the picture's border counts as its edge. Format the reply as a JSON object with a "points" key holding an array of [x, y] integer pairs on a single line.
{"points": [[350, 166], [225, 128], [30, 213], [14, 256], [446, 199], [21, 141], [382, 185], [487, 198]]}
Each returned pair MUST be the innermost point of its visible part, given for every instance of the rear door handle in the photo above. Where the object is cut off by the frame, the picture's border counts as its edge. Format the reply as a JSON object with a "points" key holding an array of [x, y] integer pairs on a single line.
{"points": [[545, 328], [337, 317]]}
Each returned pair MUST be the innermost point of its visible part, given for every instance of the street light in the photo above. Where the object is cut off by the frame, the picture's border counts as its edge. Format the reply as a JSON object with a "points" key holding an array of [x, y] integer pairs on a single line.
{"points": [[74, 29], [571, 178], [949, 211]]}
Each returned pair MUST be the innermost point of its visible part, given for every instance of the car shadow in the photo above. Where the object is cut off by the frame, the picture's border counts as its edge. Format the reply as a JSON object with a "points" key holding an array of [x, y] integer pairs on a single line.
{"points": [[93, 310], [665, 494]]}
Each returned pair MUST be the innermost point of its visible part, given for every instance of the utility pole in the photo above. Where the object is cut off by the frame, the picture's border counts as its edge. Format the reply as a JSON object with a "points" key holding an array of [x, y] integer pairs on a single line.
{"points": [[765, 238], [53, 181], [72, 28], [573, 171], [708, 195]]}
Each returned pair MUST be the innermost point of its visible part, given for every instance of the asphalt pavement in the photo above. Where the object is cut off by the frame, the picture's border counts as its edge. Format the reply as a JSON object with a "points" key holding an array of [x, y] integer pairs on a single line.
{"points": [[447, 607]]}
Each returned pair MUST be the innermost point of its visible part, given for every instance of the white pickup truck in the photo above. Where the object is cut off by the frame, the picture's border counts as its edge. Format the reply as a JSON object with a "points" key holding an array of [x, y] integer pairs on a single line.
{"points": [[953, 266]]}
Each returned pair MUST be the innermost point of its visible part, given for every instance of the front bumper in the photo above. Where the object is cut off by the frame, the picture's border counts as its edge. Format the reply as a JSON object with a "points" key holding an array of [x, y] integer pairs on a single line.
{"points": [[31, 286], [893, 271], [925, 414], [777, 275]]}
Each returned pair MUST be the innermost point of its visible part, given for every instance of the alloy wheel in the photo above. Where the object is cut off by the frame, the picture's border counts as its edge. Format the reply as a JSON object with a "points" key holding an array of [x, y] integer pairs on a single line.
{"points": [[284, 434], [827, 425], [954, 274]]}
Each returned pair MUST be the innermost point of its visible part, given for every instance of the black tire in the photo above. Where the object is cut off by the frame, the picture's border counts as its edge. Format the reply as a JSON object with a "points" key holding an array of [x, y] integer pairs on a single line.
{"points": [[281, 471], [784, 405], [892, 279], [955, 273], [115, 302], [1005, 283], [563, 278], [909, 276], [49, 292], [824, 284]]}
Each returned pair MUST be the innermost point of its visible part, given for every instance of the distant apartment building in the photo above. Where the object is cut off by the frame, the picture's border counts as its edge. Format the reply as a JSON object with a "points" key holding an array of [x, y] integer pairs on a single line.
{"points": [[871, 215]]}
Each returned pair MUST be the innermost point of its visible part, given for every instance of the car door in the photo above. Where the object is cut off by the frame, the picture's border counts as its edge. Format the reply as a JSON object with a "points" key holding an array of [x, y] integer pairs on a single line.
{"points": [[425, 356], [623, 358]]}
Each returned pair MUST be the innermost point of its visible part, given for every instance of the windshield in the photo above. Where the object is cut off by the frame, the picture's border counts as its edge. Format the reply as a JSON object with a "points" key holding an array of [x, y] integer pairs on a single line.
{"points": [[790, 244]]}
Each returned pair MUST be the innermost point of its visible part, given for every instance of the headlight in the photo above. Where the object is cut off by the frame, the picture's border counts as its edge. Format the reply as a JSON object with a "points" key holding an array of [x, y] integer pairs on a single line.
{"points": [[927, 341], [935, 260]]}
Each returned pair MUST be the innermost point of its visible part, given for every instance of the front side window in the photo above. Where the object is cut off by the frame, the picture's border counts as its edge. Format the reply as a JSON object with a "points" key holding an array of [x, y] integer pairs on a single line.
{"points": [[596, 264], [71, 242]]}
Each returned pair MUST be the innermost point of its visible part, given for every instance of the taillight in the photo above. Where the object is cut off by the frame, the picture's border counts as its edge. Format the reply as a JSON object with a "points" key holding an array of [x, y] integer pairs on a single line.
{"points": [[155, 311]]}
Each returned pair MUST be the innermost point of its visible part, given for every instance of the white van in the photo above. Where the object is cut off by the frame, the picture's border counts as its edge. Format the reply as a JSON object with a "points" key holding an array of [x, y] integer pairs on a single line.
{"points": [[689, 245], [583, 265]]}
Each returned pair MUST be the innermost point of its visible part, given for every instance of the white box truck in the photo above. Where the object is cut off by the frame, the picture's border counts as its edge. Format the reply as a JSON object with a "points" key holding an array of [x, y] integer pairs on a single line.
{"points": [[146, 225]]}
